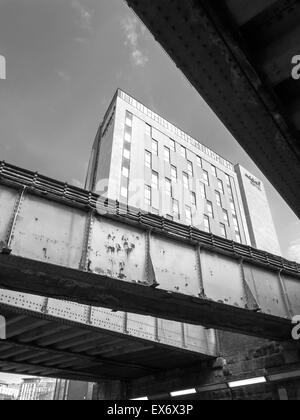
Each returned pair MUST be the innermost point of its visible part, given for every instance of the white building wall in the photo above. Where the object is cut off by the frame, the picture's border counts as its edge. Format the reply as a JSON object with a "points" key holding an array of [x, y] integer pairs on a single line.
{"points": [[258, 213]]}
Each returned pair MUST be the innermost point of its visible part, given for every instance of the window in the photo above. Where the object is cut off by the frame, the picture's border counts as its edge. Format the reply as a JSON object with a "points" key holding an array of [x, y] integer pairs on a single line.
{"points": [[148, 196], [125, 172], [174, 174], [228, 181], [128, 120], [221, 186], [124, 192], [226, 217], [148, 130], [223, 230], [167, 154], [206, 224], [126, 154], [172, 145], [190, 169], [155, 147], [128, 135], [183, 152], [229, 185], [188, 215], [219, 199], [213, 170], [194, 199], [206, 178], [203, 190], [176, 209], [148, 159], [210, 209], [199, 161], [168, 187], [185, 181], [155, 180]]}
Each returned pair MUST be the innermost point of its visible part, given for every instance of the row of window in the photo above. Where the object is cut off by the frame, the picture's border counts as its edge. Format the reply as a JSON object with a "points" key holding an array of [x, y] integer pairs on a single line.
{"points": [[126, 156], [188, 213], [183, 152], [175, 206], [186, 175], [238, 236]]}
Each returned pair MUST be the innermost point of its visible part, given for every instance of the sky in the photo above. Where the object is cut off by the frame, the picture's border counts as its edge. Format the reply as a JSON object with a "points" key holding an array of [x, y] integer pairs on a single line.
{"points": [[65, 60]]}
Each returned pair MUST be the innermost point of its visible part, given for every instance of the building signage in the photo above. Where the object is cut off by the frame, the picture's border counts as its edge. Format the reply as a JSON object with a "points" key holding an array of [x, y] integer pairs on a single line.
{"points": [[254, 182]]}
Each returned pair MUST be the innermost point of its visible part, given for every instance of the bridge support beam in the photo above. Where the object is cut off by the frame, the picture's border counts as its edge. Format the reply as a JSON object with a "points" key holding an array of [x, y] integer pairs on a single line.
{"points": [[39, 278]]}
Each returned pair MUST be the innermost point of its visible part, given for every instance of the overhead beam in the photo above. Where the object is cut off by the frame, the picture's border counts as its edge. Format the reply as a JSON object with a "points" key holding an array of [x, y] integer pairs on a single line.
{"points": [[200, 39], [38, 278]]}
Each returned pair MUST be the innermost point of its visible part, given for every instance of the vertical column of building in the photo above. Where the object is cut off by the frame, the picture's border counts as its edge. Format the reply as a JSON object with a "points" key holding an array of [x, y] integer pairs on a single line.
{"points": [[126, 158], [238, 237]]}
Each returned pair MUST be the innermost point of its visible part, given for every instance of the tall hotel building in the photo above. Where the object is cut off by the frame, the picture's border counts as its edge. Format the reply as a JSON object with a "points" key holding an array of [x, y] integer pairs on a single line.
{"points": [[142, 160]]}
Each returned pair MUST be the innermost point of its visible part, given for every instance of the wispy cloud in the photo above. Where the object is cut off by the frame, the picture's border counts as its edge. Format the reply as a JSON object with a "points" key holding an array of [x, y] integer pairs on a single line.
{"points": [[134, 31], [85, 16], [63, 75], [294, 251]]}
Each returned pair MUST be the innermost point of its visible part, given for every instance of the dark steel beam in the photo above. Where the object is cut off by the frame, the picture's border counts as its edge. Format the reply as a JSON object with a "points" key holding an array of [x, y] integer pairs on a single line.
{"points": [[199, 37], [38, 278], [53, 352]]}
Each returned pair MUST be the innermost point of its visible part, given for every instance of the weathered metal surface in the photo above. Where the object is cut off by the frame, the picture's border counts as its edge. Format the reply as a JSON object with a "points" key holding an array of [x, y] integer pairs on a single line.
{"points": [[60, 346], [53, 233], [238, 55], [214, 287]]}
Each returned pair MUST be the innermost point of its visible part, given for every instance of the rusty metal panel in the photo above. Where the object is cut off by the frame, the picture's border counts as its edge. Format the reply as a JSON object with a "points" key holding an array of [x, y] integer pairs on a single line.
{"points": [[200, 338], [49, 232], [175, 266], [22, 301], [170, 332], [117, 251], [66, 310], [8, 197], [265, 285], [292, 288], [130, 325], [223, 280], [141, 327], [107, 320]]}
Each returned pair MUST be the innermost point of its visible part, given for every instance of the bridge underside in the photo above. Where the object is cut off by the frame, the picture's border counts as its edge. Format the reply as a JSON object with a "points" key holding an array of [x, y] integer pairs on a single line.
{"points": [[124, 368], [40, 345], [237, 54]]}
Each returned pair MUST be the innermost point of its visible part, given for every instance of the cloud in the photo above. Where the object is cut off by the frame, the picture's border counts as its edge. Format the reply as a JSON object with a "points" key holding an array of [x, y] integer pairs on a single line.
{"points": [[133, 32], [85, 15], [63, 75], [294, 251]]}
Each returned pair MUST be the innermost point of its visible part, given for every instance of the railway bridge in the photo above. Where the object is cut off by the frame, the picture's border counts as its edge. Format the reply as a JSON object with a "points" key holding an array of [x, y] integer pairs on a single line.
{"points": [[100, 292]]}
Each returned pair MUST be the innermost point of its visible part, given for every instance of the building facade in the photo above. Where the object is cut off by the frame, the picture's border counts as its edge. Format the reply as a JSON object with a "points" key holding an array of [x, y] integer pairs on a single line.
{"points": [[37, 389], [9, 391], [258, 213], [142, 160]]}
